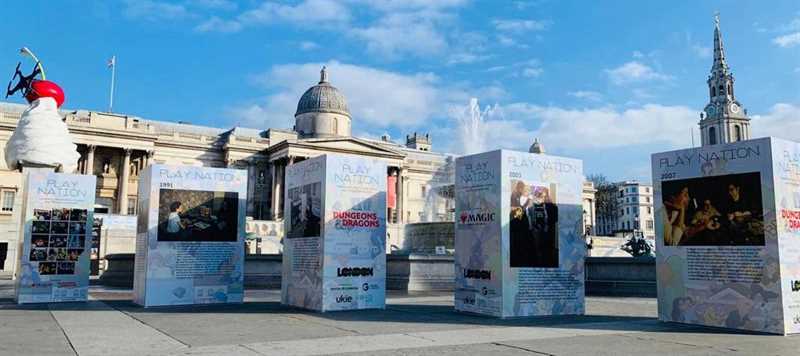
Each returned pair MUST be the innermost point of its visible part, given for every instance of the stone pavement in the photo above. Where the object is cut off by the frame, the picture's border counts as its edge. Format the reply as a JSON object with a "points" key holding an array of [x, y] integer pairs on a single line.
{"points": [[416, 324]]}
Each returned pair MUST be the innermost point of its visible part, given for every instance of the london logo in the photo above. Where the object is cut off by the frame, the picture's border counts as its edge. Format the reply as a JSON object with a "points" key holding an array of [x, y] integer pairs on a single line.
{"points": [[477, 217], [354, 272], [477, 274]]}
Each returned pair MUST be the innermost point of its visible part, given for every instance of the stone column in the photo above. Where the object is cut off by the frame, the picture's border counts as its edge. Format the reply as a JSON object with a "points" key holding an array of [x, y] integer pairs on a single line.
{"points": [[399, 199], [88, 166], [147, 157], [276, 187], [123, 185]]}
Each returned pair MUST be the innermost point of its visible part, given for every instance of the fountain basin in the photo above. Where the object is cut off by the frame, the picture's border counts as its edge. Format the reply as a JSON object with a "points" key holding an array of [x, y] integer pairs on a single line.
{"points": [[424, 237]]}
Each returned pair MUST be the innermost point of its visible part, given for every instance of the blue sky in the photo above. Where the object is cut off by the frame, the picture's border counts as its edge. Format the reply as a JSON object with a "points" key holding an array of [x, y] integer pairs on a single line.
{"points": [[606, 81]]}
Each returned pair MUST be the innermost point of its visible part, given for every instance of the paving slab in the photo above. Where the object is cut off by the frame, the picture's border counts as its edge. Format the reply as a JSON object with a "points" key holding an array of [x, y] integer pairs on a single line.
{"points": [[94, 328], [411, 324], [31, 330]]}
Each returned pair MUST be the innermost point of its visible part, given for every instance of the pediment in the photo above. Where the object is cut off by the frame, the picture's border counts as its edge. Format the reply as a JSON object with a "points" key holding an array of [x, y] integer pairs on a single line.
{"points": [[349, 145]]}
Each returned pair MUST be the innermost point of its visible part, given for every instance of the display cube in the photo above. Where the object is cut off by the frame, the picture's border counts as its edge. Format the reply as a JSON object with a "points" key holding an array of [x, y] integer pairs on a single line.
{"points": [[56, 237], [190, 236], [334, 254], [519, 245], [728, 235]]}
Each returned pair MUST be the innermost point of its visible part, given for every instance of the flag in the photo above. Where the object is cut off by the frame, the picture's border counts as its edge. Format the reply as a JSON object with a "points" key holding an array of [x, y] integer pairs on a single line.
{"points": [[112, 62]]}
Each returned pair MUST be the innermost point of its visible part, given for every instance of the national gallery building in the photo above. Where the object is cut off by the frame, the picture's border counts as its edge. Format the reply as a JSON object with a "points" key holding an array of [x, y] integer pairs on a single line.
{"points": [[117, 147]]}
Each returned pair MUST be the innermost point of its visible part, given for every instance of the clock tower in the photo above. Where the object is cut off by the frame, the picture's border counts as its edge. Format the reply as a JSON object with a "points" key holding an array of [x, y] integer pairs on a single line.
{"points": [[724, 119]]}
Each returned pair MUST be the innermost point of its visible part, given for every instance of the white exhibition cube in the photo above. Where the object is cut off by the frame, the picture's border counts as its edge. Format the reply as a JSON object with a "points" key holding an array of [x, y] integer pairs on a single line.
{"points": [[728, 235], [334, 254], [56, 237], [519, 245], [190, 236]]}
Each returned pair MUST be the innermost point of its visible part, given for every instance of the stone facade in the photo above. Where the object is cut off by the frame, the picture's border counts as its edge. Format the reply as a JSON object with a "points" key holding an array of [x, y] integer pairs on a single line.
{"points": [[116, 147]]}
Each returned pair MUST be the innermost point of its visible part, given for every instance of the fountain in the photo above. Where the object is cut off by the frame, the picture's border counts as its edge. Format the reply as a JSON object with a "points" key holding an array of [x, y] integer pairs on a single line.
{"points": [[436, 228]]}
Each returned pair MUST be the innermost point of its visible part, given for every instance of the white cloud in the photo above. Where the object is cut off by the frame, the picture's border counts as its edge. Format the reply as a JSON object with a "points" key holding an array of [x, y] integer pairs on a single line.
{"points": [[317, 12], [604, 127], [701, 51], [586, 95], [634, 72], [787, 41], [405, 5], [154, 11], [780, 121], [532, 72], [416, 33], [377, 99], [216, 24], [225, 5], [518, 26], [308, 45], [466, 58]]}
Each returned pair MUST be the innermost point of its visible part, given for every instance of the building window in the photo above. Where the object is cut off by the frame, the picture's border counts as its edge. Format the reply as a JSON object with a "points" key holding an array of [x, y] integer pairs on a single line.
{"points": [[647, 199], [636, 224], [737, 132], [712, 136], [8, 200], [424, 191], [649, 210], [131, 206], [650, 225]]}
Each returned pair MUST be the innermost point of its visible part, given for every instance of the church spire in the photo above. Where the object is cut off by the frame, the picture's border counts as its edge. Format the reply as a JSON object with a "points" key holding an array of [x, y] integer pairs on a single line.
{"points": [[720, 64], [724, 119]]}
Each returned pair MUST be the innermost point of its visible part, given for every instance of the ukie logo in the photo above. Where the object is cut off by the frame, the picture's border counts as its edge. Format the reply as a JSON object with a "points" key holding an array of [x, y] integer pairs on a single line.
{"points": [[354, 272], [344, 299], [477, 274], [477, 217]]}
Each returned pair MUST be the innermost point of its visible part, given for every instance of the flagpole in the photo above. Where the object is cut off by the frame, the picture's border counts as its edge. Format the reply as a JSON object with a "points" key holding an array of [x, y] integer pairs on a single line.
{"points": [[111, 94]]}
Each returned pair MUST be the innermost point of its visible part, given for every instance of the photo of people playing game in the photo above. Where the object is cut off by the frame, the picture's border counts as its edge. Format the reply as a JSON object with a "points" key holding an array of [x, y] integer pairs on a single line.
{"points": [[306, 209], [713, 211], [197, 215], [533, 237]]}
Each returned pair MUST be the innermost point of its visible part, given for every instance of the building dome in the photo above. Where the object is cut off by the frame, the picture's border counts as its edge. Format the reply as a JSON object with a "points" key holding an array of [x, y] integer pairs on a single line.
{"points": [[536, 147], [322, 97], [322, 111]]}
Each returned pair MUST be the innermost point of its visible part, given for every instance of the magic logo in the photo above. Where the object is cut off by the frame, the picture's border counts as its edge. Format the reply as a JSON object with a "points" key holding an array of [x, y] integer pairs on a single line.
{"points": [[65, 188], [702, 157], [477, 217], [544, 164], [476, 173], [196, 174], [355, 176]]}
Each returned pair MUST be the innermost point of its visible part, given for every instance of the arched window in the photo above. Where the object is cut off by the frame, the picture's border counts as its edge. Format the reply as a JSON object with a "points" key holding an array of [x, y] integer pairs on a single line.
{"points": [[730, 90], [737, 132], [712, 135], [336, 125], [713, 92], [721, 89]]}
